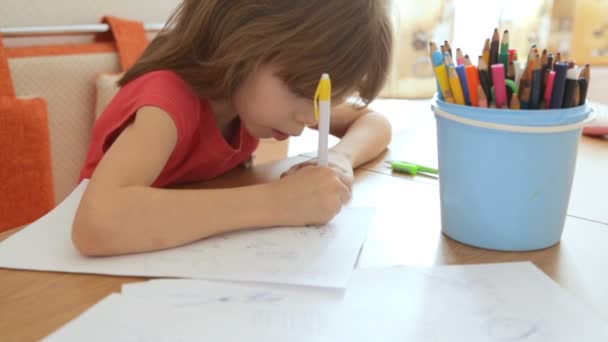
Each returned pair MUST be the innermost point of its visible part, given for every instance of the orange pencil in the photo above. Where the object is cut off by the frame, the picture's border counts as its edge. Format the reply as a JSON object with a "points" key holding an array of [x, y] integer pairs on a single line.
{"points": [[473, 83], [467, 60]]}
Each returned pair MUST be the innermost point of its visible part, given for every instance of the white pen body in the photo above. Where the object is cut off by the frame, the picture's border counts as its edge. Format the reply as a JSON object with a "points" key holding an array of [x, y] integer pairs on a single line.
{"points": [[324, 116]]}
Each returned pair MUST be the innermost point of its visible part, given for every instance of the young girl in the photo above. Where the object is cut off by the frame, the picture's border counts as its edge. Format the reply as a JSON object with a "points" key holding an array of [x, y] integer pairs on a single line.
{"points": [[220, 76]]}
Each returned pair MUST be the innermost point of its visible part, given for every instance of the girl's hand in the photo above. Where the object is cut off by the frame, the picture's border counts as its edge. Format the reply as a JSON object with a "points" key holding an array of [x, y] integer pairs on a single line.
{"points": [[310, 195], [337, 162]]}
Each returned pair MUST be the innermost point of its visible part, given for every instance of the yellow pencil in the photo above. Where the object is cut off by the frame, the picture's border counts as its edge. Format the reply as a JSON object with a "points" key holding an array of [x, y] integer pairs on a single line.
{"points": [[455, 85], [486, 51], [444, 83]]}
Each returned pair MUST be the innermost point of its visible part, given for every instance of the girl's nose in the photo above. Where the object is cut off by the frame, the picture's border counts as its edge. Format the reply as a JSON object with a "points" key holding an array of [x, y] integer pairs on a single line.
{"points": [[307, 119]]}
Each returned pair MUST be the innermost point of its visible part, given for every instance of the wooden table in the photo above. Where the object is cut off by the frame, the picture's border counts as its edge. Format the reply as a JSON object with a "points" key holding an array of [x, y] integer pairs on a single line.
{"points": [[406, 231]]}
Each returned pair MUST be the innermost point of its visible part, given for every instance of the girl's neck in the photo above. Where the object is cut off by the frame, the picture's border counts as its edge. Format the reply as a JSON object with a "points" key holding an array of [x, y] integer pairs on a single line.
{"points": [[225, 115]]}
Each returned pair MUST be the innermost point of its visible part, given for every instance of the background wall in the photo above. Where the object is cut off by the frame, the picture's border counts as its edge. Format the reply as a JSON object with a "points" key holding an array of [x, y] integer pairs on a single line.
{"points": [[66, 12], [77, 12], [63, 12]]}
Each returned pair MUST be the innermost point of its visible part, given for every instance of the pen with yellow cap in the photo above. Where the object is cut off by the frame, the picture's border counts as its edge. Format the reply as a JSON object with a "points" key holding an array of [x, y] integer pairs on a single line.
{"points": [[322, 104]]}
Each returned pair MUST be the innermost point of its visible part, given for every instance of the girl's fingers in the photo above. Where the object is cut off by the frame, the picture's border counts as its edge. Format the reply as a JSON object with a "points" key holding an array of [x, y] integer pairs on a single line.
{"points": [[296, 168], [345, 179], [344, 193]]}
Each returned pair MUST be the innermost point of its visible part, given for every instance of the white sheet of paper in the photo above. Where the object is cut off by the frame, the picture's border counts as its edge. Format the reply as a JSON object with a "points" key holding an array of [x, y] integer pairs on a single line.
{"points": [[493, 302], [302, 255]]}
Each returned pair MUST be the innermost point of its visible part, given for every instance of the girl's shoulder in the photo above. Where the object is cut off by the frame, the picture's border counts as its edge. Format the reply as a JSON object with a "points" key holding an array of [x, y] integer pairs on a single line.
{"points": [[161, 80], [161, 86]]}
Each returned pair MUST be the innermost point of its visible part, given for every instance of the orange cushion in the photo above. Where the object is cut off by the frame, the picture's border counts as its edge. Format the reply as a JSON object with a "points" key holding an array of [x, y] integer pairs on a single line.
{"points": [[26, 186]]}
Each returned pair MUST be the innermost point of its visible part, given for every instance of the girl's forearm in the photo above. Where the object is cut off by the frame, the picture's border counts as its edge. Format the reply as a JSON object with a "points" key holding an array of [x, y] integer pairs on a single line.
{"points": [[365, 139], [138, 219]]}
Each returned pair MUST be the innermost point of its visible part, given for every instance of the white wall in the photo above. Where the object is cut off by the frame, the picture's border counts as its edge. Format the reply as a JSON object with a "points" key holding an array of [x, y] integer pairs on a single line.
{"points": [[598, 89], [66, 12], [76, 12], [63, 12]]}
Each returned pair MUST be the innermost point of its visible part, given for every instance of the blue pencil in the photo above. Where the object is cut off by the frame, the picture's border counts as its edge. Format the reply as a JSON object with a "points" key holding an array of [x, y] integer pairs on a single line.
{"points": [[559, 86], [432, 49], [462, 74]]}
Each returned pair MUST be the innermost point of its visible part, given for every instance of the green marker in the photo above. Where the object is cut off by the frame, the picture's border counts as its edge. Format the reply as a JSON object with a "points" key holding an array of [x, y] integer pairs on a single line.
{"points": [[413, 169]]}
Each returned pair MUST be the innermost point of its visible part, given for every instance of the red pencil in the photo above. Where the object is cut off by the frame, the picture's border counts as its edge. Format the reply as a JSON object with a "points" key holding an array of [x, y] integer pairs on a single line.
{"points": [[549, 88]]}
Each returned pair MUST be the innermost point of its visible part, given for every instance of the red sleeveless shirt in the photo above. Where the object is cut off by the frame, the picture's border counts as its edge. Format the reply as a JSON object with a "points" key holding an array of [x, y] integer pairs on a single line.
{"points": [[201, 152]]}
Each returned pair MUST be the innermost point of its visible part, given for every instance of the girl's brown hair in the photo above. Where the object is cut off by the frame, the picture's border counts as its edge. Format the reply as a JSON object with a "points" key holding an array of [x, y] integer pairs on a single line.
{"points": [[215, 44]]}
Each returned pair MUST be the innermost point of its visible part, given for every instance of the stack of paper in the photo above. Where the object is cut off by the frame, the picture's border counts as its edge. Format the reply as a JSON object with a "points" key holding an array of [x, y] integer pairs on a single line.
{"points": [[302, 287], [323, 256], [495, 302]]}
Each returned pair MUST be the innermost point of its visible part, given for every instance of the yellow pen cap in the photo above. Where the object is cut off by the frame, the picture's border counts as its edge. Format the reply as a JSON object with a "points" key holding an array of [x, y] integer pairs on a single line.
{"points": [[323, 92]]}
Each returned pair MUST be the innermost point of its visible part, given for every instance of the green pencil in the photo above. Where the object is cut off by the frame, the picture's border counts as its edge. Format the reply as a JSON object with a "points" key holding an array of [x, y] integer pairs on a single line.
{"points": [[503, 55]]}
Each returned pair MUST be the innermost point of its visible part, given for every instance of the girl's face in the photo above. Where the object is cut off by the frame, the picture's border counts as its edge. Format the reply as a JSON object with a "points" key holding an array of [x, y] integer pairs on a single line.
{"points": [[268, 108]]}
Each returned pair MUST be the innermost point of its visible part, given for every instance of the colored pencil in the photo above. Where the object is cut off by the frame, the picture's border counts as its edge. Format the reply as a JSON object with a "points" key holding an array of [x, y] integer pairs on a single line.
{"points": [[432, 49], [549, 88], [500, 88], [536, 83], [559, 85], [448, 47], [525, 89], [473, 82], [441, 74], [515, 102], [486, 51], [494, 44], [584, 84], [455, 85], [503, 55], [462, 75], [483, 100], [467, 60], [459, 57], [572, 88], [484, 78]]}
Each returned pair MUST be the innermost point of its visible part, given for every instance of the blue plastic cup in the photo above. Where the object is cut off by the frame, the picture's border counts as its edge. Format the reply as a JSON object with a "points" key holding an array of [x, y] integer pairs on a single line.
{"points": [[506, 175]]}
